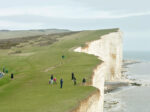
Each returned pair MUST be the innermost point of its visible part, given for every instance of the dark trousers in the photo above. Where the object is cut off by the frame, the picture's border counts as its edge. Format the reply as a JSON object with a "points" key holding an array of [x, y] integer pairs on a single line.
{"points": [[61, 85]]}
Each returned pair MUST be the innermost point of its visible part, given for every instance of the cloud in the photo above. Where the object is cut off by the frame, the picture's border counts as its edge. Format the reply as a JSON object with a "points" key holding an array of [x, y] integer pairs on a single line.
{"points": [[69, 12], [15, 25], [129, 15]]}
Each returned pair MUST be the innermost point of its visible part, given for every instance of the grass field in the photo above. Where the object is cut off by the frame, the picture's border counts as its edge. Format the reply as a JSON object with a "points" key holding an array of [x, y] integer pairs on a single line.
{"points": [[29, 91]]}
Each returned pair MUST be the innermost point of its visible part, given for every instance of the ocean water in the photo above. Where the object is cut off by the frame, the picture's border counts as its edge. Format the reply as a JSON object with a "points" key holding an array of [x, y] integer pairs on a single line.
{"points": [[133, 98], [137, 55]]}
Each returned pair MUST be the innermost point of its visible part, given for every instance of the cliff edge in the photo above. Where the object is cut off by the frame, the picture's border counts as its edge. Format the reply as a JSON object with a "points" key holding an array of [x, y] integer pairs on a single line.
{"points": [[108, 49]]}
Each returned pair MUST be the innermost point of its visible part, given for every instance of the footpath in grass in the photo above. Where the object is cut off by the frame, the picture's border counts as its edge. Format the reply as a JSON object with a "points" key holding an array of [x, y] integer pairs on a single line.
{"points": [[29, 91]]}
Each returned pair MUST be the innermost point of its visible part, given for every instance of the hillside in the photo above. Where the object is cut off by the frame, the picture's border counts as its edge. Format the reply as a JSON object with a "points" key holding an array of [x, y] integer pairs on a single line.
{"points": [[32, 65], [5, 34]]}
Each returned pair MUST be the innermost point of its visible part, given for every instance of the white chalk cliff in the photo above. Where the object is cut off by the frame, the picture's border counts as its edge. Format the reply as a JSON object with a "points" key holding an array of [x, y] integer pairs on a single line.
{"points": [[108, 49]]}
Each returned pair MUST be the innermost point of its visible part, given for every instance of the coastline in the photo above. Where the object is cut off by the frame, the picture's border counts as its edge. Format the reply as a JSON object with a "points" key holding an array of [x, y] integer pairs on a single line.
{"points": [[111, 86], [135, 97], [124, 81], [108, 49], [114, 87]]}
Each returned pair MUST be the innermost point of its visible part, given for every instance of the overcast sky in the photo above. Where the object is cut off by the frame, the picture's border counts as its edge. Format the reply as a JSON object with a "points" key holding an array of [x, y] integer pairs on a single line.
{"points": [[131, 16]]}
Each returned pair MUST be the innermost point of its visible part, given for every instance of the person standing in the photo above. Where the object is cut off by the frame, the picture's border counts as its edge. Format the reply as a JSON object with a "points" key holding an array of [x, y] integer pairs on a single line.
{"points": [[72, 76], [12, 75], [63, 56], [83, 81], [1, 74], [6, 71], [61, 83], [75, 82], [52, 77], [3, 69], [49, 81], [55, 81]]}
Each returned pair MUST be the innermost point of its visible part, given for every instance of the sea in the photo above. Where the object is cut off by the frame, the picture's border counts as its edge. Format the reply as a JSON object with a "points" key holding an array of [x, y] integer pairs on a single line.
{"points": [[132, 98]]}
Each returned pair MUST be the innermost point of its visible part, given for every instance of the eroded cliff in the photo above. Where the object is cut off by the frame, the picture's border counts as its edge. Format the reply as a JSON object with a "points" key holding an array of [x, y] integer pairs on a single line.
{"points": [[108, 49]]}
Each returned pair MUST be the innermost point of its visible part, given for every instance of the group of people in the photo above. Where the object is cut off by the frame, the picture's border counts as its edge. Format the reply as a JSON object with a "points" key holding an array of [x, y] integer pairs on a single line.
{"points": [[75, 80], [6, 71], [53, 80]]}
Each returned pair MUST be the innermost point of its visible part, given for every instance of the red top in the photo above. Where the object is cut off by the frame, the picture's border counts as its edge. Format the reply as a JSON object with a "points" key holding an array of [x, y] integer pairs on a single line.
{"points": [[54, 79]]}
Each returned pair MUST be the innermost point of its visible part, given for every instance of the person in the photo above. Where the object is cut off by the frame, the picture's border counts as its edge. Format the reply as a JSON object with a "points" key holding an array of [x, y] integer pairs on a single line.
{"points": [[52, 77], [49, 81], [12, 75], [3, 69], [6, 71], [1, 74], [72, 76], [61, 83], [55, 81], [75, 82], [63, 56], [83, 81]]}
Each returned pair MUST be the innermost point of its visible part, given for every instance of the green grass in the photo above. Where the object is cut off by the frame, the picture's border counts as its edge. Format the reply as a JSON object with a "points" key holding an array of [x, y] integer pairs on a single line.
{"points": [[29, 91]]}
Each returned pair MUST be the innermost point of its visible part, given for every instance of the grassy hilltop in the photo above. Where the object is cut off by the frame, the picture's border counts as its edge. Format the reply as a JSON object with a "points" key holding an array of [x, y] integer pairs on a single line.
{"points": [[34, 60], [5, 34]]}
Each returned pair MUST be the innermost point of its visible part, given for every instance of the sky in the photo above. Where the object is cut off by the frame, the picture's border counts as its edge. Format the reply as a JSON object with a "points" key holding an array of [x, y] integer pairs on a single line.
{"points": [[131, 16]]}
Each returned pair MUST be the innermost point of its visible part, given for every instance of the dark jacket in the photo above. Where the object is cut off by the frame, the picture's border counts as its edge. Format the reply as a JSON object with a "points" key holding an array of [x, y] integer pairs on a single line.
{"points": [[61, 81], [72, 76], [52, 77]]}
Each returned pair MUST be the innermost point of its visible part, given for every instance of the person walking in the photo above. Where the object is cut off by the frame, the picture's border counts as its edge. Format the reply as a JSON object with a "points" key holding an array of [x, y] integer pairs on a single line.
{"points": [[61, 83]]}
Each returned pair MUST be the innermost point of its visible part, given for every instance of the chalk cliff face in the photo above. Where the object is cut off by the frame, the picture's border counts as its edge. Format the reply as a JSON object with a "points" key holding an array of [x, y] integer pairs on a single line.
{"points": [[88, 105], [109, 49]]}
